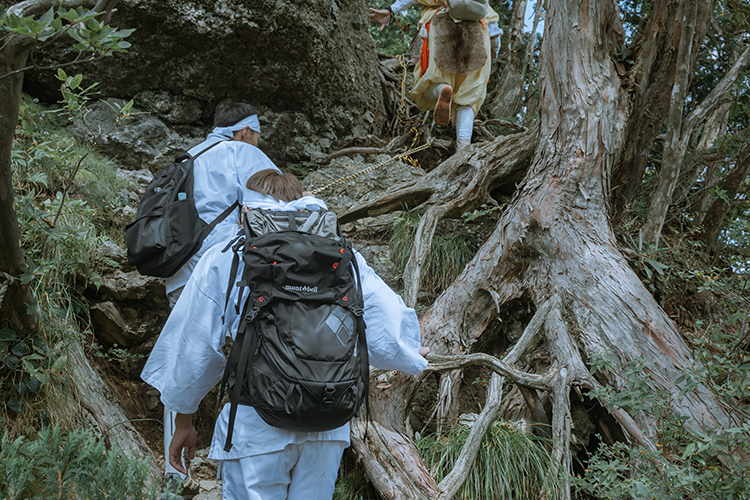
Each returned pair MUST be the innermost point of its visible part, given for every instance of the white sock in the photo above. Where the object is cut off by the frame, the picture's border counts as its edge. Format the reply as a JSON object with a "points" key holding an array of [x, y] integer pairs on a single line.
{"points": [[169, 429], [464, 122], [433, 91]]}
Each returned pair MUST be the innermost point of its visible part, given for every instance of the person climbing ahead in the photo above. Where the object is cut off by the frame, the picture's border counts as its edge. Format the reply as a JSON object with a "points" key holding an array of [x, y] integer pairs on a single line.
{"points": [[220, 174], [451, 77]]}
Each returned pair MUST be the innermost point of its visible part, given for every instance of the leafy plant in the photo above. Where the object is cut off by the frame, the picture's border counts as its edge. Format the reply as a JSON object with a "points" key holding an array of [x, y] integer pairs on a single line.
{"points": [[28, 365], [98, 39], [688, 462]]}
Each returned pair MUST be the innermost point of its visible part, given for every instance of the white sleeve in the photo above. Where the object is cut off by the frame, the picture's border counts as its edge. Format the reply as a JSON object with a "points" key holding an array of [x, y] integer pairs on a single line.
{"points": [[392, 329], [187, 360]]}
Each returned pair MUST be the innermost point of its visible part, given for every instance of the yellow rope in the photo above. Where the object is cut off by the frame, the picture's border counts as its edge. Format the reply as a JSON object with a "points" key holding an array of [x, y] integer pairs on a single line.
{"points": [[417, 131], [373, 167]]}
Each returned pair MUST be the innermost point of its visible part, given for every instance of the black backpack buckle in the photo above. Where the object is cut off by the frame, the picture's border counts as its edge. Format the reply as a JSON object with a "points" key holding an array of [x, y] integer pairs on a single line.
{"points": [[328, 394]]}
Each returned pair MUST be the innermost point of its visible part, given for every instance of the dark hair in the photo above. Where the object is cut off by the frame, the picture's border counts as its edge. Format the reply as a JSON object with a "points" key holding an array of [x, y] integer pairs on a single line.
{"points": [[232, 113], [282, 186]]}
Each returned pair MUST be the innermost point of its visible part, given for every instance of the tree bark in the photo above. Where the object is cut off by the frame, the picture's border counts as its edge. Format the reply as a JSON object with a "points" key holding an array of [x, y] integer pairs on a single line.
{"points": [[675, 144], [13, 311], [554, 249], [654, 54]]}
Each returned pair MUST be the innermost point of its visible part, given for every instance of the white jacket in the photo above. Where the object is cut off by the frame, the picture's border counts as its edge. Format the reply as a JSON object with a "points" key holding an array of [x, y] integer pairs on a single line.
{"points": [[219, 178], [187, 360]]}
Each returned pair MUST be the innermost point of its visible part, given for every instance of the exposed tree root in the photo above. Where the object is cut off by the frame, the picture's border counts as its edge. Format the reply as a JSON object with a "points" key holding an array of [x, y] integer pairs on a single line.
{"points": [[460, 184]]}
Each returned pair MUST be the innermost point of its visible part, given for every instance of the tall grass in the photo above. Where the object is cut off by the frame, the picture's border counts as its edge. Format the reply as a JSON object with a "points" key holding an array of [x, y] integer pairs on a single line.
{"points": [[509, 465], [448, 256]]}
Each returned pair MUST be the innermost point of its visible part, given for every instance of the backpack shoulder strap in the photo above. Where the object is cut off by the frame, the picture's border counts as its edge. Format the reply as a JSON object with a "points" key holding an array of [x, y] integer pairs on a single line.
{"points": [[206, 149], [235, 243]]}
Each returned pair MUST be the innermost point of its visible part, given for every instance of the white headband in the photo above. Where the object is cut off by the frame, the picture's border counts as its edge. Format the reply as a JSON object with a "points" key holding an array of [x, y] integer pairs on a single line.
{"points": [[251, 121]]}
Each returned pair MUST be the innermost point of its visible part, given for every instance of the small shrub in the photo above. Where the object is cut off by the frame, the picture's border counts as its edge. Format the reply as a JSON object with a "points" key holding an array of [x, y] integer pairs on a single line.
{"points": [[69, 465], [688, 462]]}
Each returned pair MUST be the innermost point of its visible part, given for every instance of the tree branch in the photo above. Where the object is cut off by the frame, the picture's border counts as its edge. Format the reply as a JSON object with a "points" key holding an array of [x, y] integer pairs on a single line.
{"points": [[440, 363]]}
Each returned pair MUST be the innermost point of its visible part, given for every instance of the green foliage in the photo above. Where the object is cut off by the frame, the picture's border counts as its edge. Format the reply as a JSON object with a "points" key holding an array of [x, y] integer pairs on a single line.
{"points": [[301, 169], [509, 464], [480, 212], [396, 38], [448, 255], [646, 261], [27, 364], [80, 24], [69, 465], [688, 462], [62, 243]]}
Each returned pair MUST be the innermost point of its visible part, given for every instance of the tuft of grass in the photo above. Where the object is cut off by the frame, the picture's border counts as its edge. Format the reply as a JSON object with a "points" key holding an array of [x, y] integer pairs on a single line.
{"points": [[449, 253], [510, 464], [353, 485]]}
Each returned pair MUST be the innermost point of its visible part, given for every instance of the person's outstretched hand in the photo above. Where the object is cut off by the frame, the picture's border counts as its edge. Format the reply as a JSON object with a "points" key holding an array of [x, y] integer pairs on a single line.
{"points": [[382, 16], [184, 437]]}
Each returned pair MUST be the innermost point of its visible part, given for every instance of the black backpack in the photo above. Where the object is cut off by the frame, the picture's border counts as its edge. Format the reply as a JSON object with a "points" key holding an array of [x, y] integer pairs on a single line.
{"points": [[300, 355], [167, 230]]}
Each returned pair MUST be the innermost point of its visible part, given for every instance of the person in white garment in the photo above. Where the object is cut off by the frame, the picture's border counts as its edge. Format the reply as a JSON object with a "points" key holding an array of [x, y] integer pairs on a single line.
{"points": [[187, 361], [219, 175], [455, 63]]}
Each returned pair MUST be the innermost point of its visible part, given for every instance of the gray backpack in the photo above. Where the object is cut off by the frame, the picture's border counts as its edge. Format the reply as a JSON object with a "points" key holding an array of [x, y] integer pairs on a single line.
{"points": [[300, 355], [468, 10]]}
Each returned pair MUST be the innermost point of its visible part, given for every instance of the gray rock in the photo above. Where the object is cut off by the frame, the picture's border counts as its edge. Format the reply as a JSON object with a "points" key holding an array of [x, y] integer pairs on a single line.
{"points": [[118, 315], [311, 58], [360, 188], [139, 142], [174, 109]]}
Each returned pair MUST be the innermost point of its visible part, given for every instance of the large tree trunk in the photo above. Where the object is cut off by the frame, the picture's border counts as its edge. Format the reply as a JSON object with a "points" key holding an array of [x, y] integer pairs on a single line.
{"points": [[553, 249], [13, 305]]}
